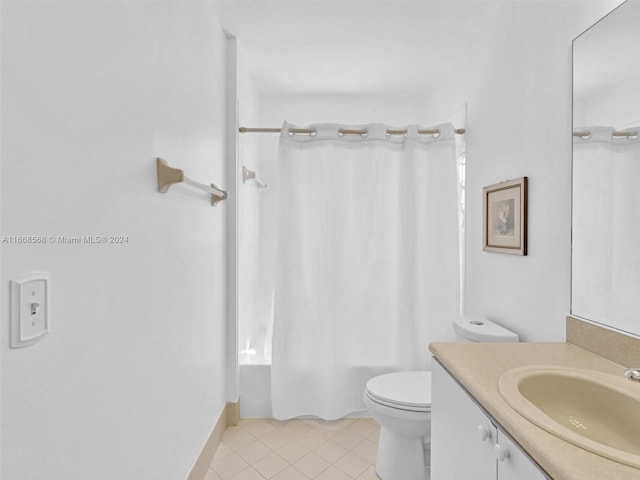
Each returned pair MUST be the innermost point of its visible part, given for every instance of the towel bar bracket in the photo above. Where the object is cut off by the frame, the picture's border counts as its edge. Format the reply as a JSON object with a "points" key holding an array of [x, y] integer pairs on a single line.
{"points": [[216, 199], [168, 176]]}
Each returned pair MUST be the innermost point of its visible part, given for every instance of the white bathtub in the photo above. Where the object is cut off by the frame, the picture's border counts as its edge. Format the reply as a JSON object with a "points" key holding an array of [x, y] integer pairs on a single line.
{"points": [[255, 391]]}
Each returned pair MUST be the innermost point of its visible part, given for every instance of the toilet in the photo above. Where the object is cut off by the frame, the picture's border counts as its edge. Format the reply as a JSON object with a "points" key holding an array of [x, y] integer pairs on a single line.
{"points": [[401, 403]]}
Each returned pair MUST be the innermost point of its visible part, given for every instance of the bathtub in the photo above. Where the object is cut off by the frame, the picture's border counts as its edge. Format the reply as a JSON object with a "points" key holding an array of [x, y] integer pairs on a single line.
{"points": [[255, 391]]}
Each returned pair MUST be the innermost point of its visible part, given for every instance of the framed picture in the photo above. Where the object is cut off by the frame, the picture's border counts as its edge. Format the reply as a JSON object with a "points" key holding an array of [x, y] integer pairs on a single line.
{"points": [[504, 208]]}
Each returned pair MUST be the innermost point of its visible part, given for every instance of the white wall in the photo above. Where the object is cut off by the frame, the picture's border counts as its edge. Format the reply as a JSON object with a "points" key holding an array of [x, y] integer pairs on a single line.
{"points": [[250, 324], [395, 109], [516, 79], [130, 381]]}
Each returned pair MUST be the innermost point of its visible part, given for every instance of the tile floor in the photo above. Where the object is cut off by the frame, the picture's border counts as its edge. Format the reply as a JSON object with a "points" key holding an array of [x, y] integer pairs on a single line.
{"points": [[301, 449]]}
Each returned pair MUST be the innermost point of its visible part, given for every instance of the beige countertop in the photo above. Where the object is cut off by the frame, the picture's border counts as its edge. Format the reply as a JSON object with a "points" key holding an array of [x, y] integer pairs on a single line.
{"points": [[477, 366]]}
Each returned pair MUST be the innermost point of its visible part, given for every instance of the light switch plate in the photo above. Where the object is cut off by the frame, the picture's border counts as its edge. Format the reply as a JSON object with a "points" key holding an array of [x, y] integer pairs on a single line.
{"points": [[30, 311]]}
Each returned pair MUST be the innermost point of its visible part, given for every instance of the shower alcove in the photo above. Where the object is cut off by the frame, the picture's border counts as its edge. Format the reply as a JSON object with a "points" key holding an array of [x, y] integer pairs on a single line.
{"points": [[306, 64]]}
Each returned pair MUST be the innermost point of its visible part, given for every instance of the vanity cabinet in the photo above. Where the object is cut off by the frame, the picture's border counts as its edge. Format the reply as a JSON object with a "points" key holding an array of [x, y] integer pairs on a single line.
{"points": [[465, 443]]}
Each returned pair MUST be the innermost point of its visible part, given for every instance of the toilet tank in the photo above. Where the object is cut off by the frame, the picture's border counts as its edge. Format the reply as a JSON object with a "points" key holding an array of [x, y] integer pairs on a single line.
{"points": [[478, 329]]}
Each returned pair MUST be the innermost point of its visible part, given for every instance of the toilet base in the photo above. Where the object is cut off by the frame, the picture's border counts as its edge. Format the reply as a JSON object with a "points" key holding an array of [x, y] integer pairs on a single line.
{"points": [[400, 457]]}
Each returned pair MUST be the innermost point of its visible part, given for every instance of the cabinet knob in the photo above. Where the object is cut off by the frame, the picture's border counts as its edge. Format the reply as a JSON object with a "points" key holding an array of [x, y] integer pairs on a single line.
{"points": [[483, 433], [502, 453]]}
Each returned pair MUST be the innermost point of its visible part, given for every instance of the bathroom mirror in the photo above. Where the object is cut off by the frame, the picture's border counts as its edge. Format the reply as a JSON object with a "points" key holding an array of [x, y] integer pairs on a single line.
{"points": [[606, 171]]}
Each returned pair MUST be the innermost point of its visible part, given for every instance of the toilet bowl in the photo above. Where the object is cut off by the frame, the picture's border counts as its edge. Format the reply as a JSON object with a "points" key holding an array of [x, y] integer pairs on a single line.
{"points": [[401, 403]]}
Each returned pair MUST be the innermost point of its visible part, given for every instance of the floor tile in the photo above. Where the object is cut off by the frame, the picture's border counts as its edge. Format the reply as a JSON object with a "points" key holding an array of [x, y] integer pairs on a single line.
{"points": [[290, 473], [293, 451], [270, 465], [331, 451], [312, 465], [211, 475], [275, 440], [362, 427], [347, 421], [247, 474], [279, 423], [237, 437], [295, 428], [248, 421], [229, 465], [311, 439], [222, 451], [330, 428], [298, 449], [332, 473], [312, 422], [253, 452], [374, 437], [347, 438], [369, 474], [259, 427], [367, 450], [352, 465]]}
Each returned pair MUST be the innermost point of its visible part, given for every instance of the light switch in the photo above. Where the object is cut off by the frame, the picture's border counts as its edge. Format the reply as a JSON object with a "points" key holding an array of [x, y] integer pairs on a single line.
{"points": [[30, 320]]}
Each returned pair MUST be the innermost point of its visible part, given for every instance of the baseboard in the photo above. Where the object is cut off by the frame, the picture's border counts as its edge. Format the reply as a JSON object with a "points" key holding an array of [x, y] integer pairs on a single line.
{"points": [[233, 413], [229, 416]]}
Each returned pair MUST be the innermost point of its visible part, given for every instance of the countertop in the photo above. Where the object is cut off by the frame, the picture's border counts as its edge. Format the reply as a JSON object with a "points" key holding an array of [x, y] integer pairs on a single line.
{"points": [[477, 366]]}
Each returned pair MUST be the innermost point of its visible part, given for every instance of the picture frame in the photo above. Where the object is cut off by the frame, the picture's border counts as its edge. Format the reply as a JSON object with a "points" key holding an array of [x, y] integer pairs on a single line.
{"points": [[504, 211]]}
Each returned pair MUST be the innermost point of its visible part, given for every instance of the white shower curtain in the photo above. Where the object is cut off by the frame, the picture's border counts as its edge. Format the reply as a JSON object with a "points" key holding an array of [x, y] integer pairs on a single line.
{"points": [[367, 262], [606, 226]]}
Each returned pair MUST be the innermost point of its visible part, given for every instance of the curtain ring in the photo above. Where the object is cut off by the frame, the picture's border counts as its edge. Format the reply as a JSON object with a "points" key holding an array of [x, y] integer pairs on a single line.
{"points": [[312, 132], [396, 133], [346, 131], [434, 133], [582, 135]]}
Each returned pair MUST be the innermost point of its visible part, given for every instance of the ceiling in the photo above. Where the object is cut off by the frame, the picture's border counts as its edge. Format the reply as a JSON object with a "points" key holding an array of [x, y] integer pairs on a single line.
{"points": [[347, 47]]}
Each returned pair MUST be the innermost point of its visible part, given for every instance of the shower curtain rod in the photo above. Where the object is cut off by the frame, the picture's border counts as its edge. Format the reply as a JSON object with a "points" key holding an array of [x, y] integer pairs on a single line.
{"points": [[343, 131], [585, 134]]}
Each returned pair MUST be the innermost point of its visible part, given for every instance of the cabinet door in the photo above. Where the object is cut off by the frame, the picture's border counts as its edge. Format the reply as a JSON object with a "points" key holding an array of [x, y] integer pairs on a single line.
{"points": [[515, 465], [462, 437]]}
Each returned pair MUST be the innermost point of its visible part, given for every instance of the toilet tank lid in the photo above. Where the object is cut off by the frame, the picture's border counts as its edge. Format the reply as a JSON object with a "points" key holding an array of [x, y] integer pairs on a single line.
{"points": [[402, 388], [480, 329]]}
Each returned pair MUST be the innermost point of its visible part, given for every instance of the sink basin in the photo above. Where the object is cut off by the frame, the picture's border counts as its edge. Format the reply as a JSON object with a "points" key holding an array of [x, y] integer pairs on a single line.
{"points": [[597, 411]]}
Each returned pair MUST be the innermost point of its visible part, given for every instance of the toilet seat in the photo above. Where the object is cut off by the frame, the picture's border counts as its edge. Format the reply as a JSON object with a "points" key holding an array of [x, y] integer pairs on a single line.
{"points": [[409, 391]]}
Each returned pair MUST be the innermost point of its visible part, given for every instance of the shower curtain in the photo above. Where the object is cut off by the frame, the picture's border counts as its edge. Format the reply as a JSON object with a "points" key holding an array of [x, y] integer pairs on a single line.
{"points": [[605, 214], [367, 261]]}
